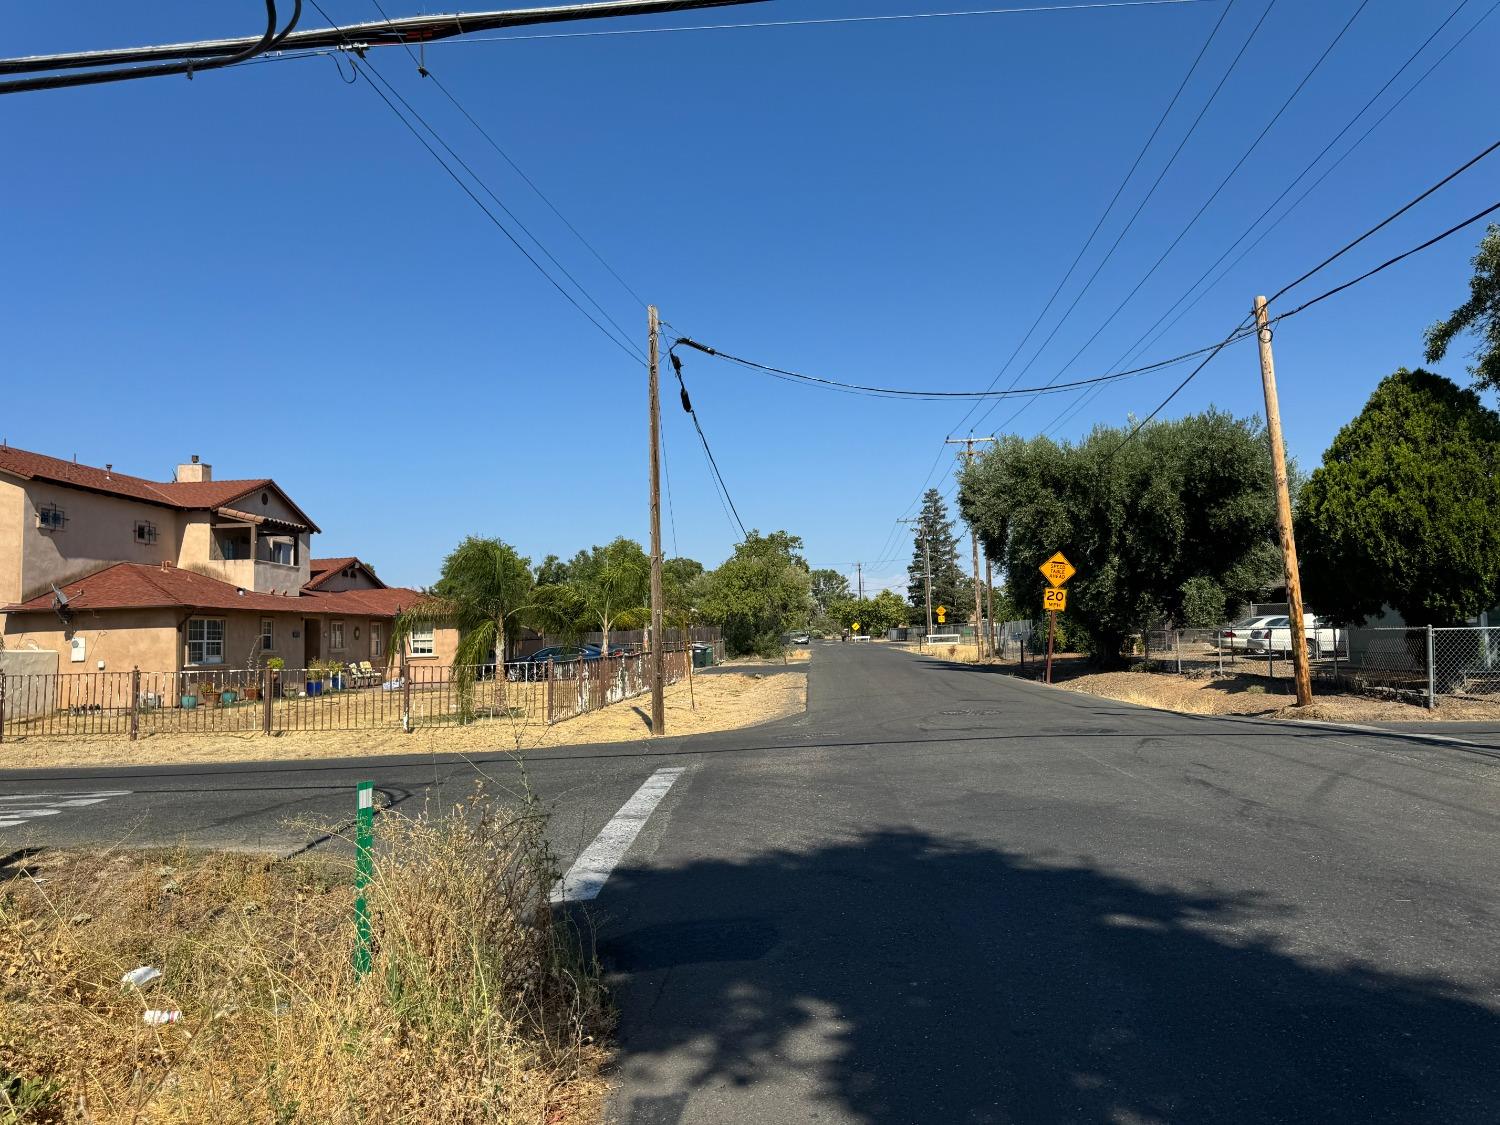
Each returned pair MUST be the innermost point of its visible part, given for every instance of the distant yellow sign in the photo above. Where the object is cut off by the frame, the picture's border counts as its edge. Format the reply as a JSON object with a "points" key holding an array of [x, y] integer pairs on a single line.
{"points": [[942, 614], [855, 626], [1057, 570], [1055, 600]]}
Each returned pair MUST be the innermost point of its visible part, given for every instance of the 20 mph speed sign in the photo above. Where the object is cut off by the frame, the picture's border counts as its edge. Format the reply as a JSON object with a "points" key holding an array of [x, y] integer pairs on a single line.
{"points": [[1055, 600]]}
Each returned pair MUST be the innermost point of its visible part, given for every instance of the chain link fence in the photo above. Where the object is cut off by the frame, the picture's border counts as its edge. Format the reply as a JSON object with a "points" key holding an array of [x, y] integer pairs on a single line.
{"points": [[1414, 665]]}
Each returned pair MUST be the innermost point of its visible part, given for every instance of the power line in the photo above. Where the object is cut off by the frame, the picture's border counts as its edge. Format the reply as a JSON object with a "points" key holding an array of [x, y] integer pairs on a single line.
{"points": [[687, 405], [764, 24], [1141, 345], [192, 63], [1389, 262], [1239, 333], [1392, 217], [1258, 223], [920, 393], [1129, 224], [457, 179], [626, 348], [426, 72], [204, 54], [1140, 207], [501, 204], [1119, 237], [1051, 300], [1217, 190], [1109, 207]]}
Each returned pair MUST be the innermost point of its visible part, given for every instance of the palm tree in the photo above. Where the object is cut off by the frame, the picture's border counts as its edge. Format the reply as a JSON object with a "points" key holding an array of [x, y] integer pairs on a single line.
{"points": [[485, 594], [613, 587]]}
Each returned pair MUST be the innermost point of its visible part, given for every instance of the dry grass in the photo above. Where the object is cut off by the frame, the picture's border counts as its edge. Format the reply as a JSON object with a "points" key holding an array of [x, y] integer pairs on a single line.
{"points": [[1255, 695], [790, 656], [961, 653], [712, 703], [479, 1006]]}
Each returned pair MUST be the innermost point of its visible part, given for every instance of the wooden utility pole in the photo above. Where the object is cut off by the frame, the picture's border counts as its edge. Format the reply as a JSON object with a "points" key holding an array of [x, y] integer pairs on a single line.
{"points": [[1298, 640], [989, 609], [658, 654], [968, 455], [859, 571]]}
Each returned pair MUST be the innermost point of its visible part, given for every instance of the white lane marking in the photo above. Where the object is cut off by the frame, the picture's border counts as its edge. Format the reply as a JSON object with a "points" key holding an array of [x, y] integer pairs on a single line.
{"points": [[19, 808], [46, 798], [586, 878]]}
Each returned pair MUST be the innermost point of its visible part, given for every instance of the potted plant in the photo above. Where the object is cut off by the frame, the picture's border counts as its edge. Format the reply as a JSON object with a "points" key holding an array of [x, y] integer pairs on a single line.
{"points": [[317, 675], [276, 664]]}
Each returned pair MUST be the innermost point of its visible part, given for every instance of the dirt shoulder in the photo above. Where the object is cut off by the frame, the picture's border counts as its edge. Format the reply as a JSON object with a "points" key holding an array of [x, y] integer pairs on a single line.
{"points": [[711, 703], [1248, 695]]}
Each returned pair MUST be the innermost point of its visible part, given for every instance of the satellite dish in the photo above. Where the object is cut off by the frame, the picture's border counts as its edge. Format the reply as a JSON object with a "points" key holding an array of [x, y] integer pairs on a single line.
{"points": [[60, 604]]}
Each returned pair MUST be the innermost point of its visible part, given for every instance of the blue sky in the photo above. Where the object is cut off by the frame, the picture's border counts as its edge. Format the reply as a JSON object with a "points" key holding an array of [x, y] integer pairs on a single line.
{"points": [[263, 267]]}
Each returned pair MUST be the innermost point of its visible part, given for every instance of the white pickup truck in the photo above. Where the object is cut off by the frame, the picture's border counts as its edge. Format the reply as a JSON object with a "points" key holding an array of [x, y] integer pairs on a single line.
{"points": [[1275, 636]]}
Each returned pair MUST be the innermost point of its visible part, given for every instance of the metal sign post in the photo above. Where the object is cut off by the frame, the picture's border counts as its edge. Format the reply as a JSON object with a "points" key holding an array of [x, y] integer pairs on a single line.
{"points": [[364, 872], [1056, 570]]}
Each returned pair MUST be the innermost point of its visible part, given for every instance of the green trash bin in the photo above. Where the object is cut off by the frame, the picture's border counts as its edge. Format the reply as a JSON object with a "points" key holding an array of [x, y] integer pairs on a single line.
{"points": [[703, 656]]}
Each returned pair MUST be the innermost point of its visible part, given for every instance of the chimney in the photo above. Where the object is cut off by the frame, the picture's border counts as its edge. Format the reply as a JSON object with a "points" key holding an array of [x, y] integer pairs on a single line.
{"points": [[195, 471]]}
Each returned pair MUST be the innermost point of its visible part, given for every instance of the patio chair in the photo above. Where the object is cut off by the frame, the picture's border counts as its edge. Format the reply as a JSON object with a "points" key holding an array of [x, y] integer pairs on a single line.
{"points": [[362, 674]]}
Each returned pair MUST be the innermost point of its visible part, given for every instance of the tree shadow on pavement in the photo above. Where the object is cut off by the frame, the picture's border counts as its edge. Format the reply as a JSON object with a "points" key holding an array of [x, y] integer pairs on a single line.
{"points": [[900, 978]]}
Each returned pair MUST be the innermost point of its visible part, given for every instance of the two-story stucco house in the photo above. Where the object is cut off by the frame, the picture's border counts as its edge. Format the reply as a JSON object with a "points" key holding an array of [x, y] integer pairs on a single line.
{"points": [[185, 574]]}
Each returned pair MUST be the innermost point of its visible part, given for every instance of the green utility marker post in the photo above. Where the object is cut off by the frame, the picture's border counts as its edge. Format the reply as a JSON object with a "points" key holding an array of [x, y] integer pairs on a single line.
{"points": [[364, 871]]}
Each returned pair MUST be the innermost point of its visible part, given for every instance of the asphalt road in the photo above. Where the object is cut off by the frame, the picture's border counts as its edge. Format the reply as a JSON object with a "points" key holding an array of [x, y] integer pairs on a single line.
{"points": [[943, 895]]}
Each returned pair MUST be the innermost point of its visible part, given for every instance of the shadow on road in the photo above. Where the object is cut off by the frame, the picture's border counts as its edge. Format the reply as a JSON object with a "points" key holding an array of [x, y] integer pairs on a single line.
{"points": [[904, 979]]}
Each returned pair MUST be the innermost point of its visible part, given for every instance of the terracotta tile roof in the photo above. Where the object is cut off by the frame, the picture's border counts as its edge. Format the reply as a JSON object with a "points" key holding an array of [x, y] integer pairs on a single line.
{"points": [[324, 570], [387, 602], [169, 494], [141, 586]]}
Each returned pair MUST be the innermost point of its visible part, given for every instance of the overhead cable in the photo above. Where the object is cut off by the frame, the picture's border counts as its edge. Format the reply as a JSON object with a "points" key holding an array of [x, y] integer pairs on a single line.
{"points": [[920, 393], [191, 64], [827, 21], [687, 405], [1239, 333]]}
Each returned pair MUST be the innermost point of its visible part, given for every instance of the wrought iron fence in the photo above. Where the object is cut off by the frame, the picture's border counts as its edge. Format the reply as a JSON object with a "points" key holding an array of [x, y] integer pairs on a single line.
{"points": [[138, 704]]}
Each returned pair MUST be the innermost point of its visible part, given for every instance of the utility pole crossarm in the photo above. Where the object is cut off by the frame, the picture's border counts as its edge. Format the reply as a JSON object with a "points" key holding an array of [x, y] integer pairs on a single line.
{"points": [[372, 33]]}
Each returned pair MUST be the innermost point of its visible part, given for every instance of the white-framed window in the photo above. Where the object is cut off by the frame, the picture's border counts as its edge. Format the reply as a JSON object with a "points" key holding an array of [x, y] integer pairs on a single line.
{"points": [[336, 636], [145, 531], [51, 517], [268, 634], [281, 552], [205, 640], [375, 639], [421, 642]]}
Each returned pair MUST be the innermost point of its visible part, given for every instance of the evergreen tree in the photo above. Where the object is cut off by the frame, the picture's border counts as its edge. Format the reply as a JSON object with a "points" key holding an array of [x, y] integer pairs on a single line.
{"points": [[950, 586], [1405, 510]]}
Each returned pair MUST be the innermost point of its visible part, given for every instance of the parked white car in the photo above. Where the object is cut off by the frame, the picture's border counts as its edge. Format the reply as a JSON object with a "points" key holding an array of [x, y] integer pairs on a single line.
{"points": [[1275, 636], [1236, 637]]}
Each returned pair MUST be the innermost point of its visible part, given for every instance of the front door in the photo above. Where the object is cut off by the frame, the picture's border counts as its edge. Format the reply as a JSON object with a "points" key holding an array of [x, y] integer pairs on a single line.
{"points": [[312, 641]]}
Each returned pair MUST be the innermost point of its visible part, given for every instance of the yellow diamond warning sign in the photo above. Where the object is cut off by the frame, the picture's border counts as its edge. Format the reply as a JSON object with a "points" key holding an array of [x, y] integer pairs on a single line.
{"points": [[1057, 570]]}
